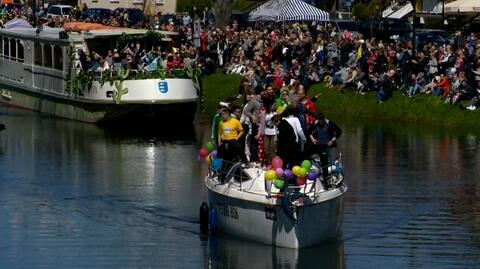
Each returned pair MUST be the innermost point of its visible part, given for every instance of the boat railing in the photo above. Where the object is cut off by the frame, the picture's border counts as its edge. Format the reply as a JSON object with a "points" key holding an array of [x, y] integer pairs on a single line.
{"points": [[238, 174], [138, 73]]}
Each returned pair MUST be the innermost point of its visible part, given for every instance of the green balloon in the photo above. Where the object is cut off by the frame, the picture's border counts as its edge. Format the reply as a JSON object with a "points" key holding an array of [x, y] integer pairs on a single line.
{"points": [[209, 146], [306, 164], [303, 172], [279, 183]]}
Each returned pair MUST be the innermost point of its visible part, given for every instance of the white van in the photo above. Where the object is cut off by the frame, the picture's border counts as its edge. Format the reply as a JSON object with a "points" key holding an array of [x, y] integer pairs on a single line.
{"points": [[59, 10], [349, 25]]}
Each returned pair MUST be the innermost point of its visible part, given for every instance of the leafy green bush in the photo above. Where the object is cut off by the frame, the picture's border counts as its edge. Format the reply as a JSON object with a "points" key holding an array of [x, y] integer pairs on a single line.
{"points": [[187, 5]]}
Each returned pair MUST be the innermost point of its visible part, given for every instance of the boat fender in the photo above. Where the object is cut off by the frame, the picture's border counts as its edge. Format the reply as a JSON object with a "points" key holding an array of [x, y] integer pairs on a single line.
{"points": [[213, 218], [204, 217]]}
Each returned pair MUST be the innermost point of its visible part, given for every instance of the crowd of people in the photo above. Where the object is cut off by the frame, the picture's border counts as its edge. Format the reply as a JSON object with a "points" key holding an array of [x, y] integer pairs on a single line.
{"points": [[279, 65]]}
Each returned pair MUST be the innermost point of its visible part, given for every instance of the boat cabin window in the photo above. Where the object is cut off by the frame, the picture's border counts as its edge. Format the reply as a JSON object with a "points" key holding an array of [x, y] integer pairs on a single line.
{"points": [[6, 48], [20, 52], [13, 49], [38, 54], [47, 56], [57, 58]]}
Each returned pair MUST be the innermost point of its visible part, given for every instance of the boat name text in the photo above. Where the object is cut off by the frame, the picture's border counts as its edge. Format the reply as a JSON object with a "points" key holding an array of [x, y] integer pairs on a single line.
{"points": [[227, 211]]}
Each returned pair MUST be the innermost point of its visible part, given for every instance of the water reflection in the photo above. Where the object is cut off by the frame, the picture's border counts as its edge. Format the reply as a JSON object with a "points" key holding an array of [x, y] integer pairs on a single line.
{"points": [[406, 186], [225, 251], [73, 195]]}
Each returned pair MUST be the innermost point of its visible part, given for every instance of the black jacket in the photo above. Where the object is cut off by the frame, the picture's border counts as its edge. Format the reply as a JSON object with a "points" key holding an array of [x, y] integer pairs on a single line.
{"points": [[332, 127]]}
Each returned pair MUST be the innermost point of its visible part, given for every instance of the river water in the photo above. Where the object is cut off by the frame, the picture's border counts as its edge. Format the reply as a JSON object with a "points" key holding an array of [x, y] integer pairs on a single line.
{"points": [[75, 195]]}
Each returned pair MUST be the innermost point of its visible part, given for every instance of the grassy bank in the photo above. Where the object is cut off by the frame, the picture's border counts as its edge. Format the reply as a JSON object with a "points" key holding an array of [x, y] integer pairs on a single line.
{"points": [[421, 109], [218, 87]]}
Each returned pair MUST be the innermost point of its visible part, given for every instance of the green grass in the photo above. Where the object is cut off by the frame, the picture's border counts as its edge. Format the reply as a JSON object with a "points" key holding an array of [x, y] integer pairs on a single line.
{"points": [[218, 87], [418, 109]]}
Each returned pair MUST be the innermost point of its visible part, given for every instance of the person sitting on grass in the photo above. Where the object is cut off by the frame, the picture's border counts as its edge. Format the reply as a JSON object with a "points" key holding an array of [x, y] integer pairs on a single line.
{"points": [[442, 87], [418, 82], [385, 86], [339, 77]]}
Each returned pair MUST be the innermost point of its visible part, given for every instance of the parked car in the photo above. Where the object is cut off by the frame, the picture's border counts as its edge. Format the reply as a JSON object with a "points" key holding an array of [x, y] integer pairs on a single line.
{"points": [[59, 10], [349, 25], [135, 15], [97, 13], [426, 36], [385, 28]]}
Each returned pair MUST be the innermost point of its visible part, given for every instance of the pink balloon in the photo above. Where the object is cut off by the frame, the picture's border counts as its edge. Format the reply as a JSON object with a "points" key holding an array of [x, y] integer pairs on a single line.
{"points": [[301, 181], [277, 162], [279, 172], [203, 152]]}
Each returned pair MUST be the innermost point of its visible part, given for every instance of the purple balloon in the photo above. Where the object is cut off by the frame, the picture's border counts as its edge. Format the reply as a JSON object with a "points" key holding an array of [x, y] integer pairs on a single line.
{"points": [[287, 173], [279, 172], [213, 153], [200, 159], [312, 175]]}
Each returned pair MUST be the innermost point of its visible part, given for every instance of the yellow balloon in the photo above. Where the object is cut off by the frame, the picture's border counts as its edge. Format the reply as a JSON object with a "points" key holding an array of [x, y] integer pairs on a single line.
{"points": [[296, 170], [208, 159], [302, 172], [270, 175]]}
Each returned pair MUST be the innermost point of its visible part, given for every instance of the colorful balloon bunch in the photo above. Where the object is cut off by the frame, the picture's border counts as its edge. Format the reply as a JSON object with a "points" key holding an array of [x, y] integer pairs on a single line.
{"points": [[278, 175], [208, 154]]}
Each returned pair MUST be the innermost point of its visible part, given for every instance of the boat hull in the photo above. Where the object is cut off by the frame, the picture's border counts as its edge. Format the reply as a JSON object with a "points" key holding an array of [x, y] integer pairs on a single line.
{"points": [[98, 112], [270, 224]]}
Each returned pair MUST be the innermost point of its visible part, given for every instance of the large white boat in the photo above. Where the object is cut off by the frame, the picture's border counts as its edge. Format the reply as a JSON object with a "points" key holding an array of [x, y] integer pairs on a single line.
{"points": [[248, 206], [38, 72]]}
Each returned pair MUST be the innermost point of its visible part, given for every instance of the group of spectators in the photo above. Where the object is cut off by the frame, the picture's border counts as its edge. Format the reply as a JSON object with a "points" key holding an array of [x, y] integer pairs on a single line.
{"points": [[120, 17], [308, 54]]}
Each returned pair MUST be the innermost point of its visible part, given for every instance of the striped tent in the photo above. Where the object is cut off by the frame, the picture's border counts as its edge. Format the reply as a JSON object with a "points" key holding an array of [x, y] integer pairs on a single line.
{"points": [[287, 10]]}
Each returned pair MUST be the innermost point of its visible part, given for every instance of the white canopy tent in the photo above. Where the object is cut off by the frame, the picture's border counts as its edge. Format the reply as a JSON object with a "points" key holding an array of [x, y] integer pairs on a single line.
{"points": [[463, 6], [398, 12], [287, 10]]}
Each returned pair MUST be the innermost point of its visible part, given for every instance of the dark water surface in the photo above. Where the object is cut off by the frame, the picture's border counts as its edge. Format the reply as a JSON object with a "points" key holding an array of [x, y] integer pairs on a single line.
{"points": [[75, 195]]}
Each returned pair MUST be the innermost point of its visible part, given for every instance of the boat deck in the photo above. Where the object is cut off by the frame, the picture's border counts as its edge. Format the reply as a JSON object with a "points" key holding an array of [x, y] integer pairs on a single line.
{"points": [[252, 186]]}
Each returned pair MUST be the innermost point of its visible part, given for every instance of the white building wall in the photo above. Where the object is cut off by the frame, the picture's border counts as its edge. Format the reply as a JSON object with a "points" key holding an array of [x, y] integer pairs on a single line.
{"points": [[164, 6]]}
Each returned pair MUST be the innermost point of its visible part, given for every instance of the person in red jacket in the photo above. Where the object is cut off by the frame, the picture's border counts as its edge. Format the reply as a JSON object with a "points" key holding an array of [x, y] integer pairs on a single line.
{"points": [[442, 87], [308, 106], [203, 42]]}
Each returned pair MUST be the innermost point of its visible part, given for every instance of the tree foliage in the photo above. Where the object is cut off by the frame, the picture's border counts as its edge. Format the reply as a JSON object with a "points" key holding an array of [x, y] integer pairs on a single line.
{"points": [[223, 12], [367, 10], [187, 5]]}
